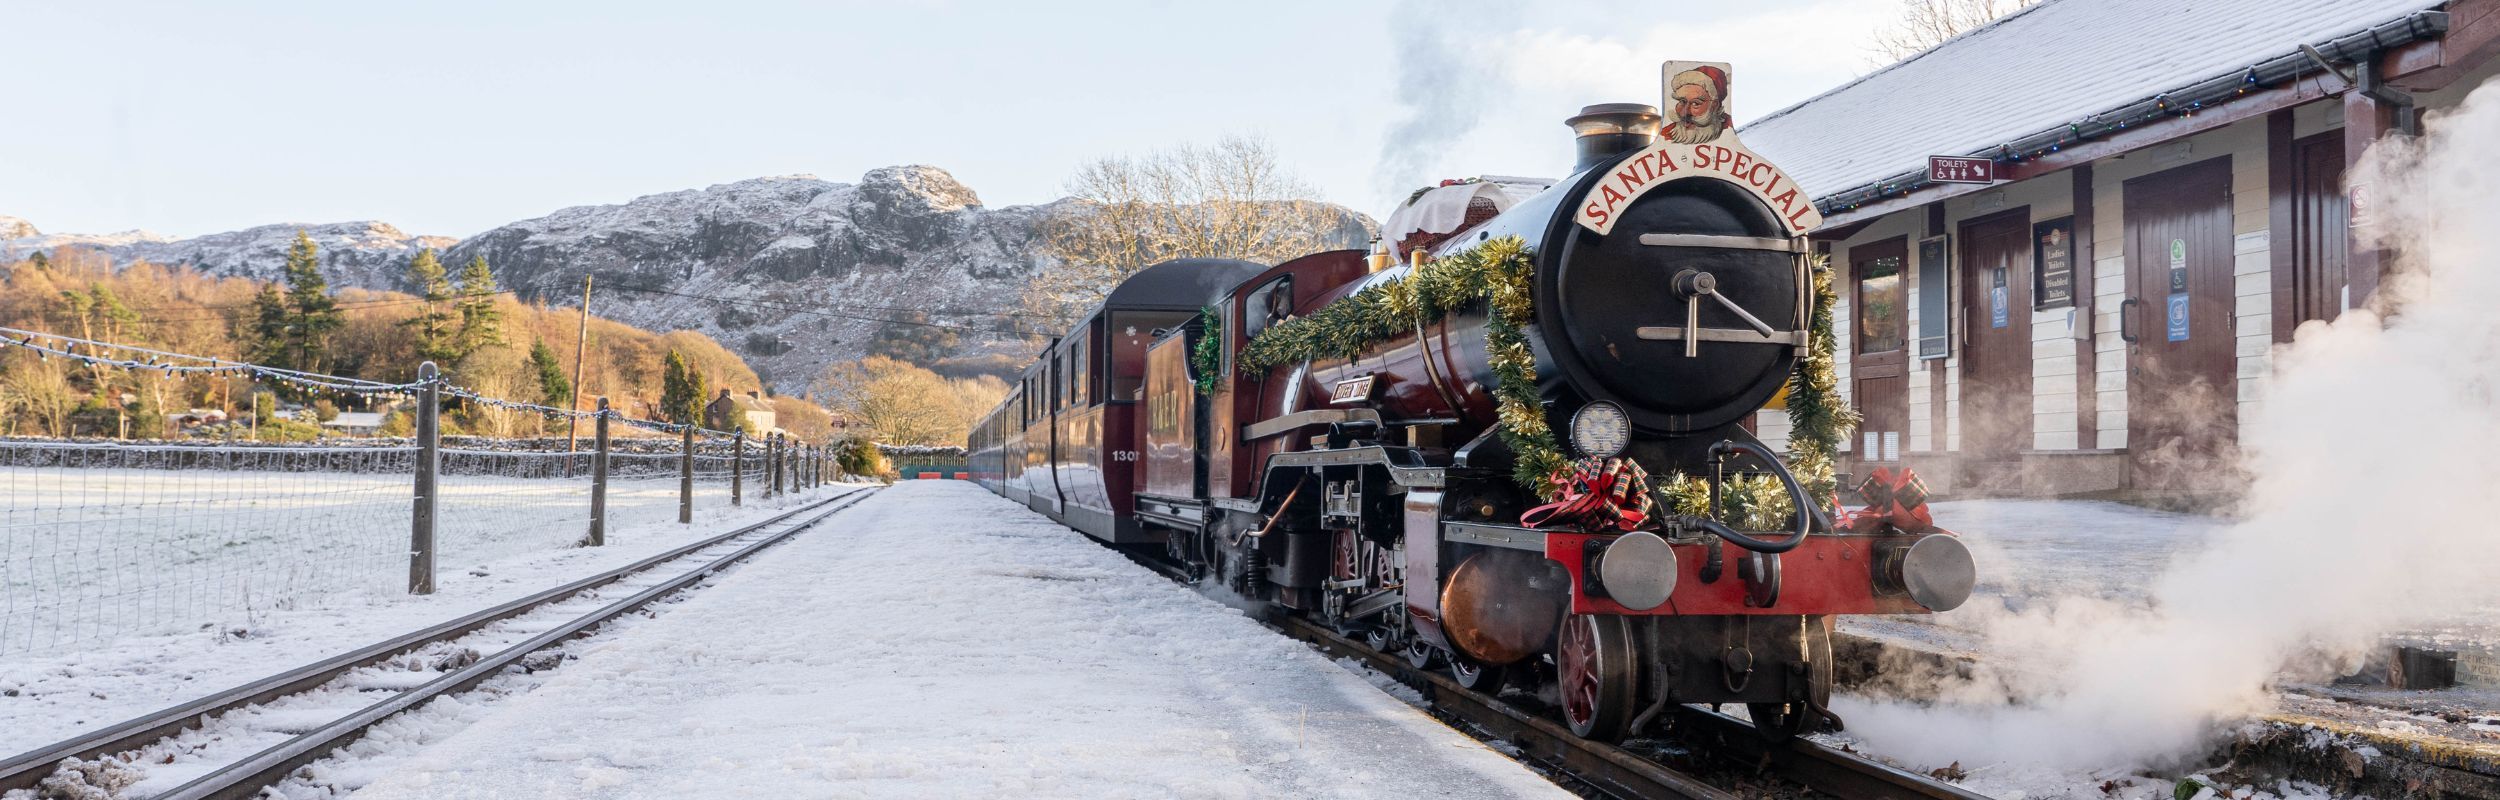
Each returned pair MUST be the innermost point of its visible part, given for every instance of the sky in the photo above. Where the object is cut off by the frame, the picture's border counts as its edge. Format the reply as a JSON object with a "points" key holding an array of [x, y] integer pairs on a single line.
{"points": [[451, 118]]}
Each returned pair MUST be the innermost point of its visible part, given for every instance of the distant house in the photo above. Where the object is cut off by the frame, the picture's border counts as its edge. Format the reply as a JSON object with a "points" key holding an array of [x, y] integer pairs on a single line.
{"points": [[726, 411], [200, 416], [356, 423]]}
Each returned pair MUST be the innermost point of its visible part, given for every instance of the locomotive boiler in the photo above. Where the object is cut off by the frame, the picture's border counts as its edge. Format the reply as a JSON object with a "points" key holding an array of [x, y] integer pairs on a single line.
{"points": [[1361, 437]]}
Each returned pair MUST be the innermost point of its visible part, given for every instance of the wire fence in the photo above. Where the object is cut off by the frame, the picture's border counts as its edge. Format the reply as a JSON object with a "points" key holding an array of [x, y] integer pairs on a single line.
{"points": [[102, 539]]}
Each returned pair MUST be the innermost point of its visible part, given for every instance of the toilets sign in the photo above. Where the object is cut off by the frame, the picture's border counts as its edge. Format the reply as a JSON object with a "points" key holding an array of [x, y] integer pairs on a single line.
{"points": [[1961, 169]]}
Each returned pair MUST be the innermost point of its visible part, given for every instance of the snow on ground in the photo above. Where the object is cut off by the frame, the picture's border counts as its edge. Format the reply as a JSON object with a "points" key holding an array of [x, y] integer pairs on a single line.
{"points": [[87, 555], [2031, 552], [52, 695], [938, 641], [2034, 553]]}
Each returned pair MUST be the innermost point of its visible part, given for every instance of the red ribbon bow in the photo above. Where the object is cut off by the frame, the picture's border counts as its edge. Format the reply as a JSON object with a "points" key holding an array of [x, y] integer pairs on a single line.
{"points": [[1597, 493]]}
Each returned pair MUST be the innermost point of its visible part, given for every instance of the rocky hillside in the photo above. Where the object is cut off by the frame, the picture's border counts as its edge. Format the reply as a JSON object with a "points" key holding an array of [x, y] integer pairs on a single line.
{"points": [[812, 267], [367, 254]]}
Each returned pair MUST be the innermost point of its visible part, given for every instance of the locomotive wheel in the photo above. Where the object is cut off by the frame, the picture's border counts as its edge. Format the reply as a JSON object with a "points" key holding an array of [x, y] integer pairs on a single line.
{"points": [[1779, 722], [1594, 667], [1379, 639], [1422, 656], [1475, 676]]}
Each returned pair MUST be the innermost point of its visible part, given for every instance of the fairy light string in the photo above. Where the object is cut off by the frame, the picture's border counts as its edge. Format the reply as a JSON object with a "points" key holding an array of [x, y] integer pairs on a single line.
{"points": [[135, 358]]}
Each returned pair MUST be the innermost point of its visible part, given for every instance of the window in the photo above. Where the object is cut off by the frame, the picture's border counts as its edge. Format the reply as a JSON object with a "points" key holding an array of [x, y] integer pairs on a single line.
{"points": [[1267, 305], [1125, 340], [1080, 372], [1883, 318]]}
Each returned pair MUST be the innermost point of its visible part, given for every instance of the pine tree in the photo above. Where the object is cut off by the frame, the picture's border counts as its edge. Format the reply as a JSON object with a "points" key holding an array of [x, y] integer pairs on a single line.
{"points": [[682, 390], [551, 382], [481, 323], [269, 326], [40, 260], [426, 275], [312, 315]]}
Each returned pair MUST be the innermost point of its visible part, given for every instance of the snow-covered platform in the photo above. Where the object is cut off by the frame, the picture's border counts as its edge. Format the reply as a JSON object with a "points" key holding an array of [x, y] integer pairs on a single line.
{"points": [[938, 641]]}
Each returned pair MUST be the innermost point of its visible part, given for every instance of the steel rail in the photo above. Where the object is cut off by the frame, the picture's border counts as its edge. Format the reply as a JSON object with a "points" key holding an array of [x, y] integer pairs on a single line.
{"points": [[1620, 773], [246, 778], [27, 770], [1821, 767], [1608, 768]]}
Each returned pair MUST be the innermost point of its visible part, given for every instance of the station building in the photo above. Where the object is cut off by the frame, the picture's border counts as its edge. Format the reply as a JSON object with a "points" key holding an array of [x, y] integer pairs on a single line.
{"points": [[2169, 204]]}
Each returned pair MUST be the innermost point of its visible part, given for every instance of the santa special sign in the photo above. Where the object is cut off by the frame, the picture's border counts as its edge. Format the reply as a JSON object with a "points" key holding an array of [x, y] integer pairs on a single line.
{"points": [[1722, 158]]}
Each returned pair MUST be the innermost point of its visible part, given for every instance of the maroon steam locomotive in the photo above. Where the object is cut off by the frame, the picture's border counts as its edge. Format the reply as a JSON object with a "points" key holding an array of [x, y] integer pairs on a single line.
{"points": [[1672, 292]]}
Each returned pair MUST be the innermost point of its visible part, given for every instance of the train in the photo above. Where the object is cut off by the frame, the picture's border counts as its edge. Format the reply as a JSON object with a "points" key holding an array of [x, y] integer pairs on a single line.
{"points": [[1453, 445]]}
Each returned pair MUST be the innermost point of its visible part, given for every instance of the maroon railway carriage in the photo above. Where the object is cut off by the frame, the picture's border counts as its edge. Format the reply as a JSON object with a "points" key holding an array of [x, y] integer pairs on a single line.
{"points": [[1065, 441], [1671, 293]]}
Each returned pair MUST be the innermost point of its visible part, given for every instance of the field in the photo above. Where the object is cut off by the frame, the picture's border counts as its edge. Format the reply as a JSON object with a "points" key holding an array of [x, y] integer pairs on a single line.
{"points": [[91, 554]]}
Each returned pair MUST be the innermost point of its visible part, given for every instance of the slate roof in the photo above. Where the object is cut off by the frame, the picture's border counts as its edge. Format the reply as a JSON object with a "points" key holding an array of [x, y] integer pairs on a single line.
{"points": [[2041, 68]]}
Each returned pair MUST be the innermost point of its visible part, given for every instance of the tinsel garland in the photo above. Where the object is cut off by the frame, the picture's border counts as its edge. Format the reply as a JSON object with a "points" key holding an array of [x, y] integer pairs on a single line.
{"points": [[1206, 358], [1817, 416], [1495, 273], [1748, 502]]}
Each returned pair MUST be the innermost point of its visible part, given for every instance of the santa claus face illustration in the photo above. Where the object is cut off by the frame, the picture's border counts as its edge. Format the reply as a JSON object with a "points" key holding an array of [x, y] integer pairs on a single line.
{"points": [[1699, 112]]}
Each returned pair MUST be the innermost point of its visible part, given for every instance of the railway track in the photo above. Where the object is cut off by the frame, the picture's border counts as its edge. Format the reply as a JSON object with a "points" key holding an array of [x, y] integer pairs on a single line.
{"points": [[247, 776], [1618, 772]]}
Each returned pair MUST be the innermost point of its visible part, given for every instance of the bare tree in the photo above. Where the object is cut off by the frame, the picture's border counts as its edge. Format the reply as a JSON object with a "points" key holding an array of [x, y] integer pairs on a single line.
{"points": [[1229, 200], [1927, 23], [895, 402]]}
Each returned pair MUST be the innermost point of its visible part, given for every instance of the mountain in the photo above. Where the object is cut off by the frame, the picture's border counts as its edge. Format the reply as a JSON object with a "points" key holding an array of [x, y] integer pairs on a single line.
{"points": [[367, 254], [810, 269]]}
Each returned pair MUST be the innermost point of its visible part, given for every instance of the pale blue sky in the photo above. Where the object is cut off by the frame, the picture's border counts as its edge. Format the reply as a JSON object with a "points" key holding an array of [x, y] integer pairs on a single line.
{"points": [[452, 117]]}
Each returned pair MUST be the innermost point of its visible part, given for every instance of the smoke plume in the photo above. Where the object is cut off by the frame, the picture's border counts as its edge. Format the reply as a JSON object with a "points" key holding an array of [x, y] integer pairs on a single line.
{"points": [[2371, 458], [1446, 79]]}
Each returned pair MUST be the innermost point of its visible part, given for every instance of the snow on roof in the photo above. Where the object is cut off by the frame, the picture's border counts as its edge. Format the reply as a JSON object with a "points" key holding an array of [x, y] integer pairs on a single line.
{"points": [[2035, 69]]}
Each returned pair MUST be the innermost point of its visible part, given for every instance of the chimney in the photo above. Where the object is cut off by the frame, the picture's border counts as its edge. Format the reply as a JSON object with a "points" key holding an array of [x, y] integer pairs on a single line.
{"points": [[1606, 130]]}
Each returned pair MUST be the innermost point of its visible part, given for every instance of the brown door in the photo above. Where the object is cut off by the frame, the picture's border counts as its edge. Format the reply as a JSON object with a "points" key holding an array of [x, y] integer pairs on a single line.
{"points": [[2319, 217], [1996, 340], [1879, 307], [2182, 395]]}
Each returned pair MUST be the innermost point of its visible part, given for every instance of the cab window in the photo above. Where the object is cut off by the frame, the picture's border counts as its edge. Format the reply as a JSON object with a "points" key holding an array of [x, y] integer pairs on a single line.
{"points": [[1267, 305]]}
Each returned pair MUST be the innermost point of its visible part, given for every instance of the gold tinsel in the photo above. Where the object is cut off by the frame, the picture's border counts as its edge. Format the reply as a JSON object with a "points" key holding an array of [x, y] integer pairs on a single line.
{"points": [[1495, 273]]}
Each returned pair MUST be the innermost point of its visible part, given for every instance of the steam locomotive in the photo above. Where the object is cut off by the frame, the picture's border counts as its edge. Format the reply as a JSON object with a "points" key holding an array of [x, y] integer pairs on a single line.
{"points": [[1671, 292]]}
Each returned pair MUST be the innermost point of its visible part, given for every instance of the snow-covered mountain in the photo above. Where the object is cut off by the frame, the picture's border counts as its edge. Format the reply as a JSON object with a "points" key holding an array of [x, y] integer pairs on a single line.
{"points": [[814, 267], [367, 254]]}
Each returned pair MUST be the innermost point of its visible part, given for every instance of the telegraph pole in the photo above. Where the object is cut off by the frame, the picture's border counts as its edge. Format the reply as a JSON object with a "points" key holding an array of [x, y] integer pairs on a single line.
{"points": [[581, 344]]}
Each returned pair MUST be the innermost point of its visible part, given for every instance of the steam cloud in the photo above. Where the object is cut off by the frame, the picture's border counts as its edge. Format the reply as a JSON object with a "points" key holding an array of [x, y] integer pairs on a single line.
{"points": [[1444, 82], [2373, 457]]}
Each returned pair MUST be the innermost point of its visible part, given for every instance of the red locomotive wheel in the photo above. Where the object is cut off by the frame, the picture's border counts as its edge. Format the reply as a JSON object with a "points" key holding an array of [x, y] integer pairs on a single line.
{"points": [[1595, 664]]}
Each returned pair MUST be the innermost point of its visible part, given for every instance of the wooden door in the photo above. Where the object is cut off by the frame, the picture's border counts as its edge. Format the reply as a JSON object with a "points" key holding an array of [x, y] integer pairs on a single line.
{"points": [[2320, 241], [1996, 337], [1880, 337], [2182, 390]]}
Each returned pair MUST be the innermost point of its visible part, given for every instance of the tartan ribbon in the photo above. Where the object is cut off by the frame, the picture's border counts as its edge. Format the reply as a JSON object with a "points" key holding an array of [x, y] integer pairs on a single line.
{"points": [[1597, 494], [1893, 499]]}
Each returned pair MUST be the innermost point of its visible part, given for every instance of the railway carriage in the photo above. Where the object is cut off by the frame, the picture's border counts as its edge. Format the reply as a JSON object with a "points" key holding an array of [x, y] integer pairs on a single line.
{"points": [[1068, 446], [1334, 436]]}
